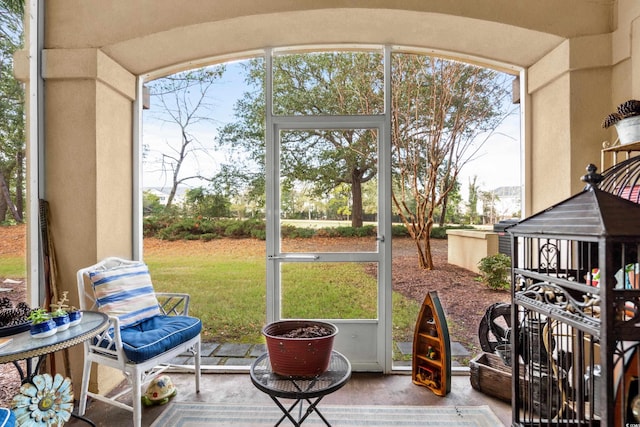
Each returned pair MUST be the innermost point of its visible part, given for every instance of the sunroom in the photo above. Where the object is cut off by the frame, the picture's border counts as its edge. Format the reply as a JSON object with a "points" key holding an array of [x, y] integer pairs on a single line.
{"points": [[87, 63]]}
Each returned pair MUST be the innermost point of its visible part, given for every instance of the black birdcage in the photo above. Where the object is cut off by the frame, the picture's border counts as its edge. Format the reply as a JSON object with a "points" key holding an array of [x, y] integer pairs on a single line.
{"points": [[575, 311], [623, 179]]}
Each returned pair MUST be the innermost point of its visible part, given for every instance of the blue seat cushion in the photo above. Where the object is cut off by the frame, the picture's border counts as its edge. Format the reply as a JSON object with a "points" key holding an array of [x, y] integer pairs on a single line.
{"points": [[156, 335]]}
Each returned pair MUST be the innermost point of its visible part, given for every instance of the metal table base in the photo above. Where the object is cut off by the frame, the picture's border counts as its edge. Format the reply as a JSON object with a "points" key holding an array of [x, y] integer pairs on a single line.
{"points": [[309, 390]]}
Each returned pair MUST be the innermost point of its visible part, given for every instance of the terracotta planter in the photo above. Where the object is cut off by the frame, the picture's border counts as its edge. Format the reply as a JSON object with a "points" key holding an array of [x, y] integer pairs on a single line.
{"points": [[298, 357]]}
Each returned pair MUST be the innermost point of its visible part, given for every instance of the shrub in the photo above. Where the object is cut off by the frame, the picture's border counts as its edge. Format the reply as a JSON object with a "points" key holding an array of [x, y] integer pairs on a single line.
{"points": [[168, 227], [154, 223], [301, 232], [441, 232], [399, 231], [260, 234], [327, 232], [438, 233], [235, 229], [171, 226], [495, 270], [258, 229], [365, 231], [287, 230]]}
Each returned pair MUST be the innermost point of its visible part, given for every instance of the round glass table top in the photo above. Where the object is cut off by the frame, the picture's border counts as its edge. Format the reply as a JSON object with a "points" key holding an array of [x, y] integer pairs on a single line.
{"points": [[24, 346], [266, 380]]}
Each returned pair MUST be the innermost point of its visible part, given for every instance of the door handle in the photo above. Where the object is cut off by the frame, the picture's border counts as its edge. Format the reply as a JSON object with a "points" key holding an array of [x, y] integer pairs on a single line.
{"points": [[293, 257]]}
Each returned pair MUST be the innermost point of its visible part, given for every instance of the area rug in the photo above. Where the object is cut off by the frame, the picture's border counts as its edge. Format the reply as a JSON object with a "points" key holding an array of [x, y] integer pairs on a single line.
{"points": [[184, 414]]}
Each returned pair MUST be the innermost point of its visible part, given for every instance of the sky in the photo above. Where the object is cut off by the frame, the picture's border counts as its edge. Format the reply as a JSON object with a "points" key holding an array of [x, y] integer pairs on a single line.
{"points": [[155, 133], [497, 164]]}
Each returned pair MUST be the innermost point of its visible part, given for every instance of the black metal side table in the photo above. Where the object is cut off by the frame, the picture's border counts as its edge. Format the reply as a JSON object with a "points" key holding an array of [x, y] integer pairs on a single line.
{"points": [[300, 389]]}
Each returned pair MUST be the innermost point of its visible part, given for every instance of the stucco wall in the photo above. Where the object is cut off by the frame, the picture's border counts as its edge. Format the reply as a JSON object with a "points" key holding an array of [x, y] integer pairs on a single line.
{"points": [[579, 57], [88, 169], [568, 89], [465, 248]]}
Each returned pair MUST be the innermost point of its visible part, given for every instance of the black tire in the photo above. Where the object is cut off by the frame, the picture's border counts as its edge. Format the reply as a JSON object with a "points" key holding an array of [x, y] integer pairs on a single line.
{"points": [[495, 327]]}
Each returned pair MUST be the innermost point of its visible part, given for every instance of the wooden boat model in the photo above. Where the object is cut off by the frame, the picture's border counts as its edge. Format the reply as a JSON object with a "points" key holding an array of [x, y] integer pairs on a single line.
{"points": [[431, 365]]}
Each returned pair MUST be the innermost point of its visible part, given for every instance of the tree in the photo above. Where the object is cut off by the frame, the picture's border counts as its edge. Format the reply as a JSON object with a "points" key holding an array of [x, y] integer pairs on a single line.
{"points": [[12, 139], [13, 7], [440, 108], [489, 199], [205, 204], [184, 100], [317, 84], [472, 206], [450, 210], [337, 206], [151, 203]]}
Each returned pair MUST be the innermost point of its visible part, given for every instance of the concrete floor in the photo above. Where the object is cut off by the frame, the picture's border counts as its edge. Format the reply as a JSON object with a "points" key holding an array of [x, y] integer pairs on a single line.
{"points": [[362, 389]]}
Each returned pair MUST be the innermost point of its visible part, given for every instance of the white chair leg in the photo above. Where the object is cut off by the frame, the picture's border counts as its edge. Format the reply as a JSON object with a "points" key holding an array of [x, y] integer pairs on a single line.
{"points": [[86, 373], [197, 357], [136, 391]]}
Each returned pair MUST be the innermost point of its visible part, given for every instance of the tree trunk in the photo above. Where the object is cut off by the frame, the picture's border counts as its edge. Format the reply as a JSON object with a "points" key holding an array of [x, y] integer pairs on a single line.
{"points": [[421, 237], [4, 189], [20, 185], [3, 207], [444, 211], [428, 258], [425, 259], [172, 195], [356, 195]]}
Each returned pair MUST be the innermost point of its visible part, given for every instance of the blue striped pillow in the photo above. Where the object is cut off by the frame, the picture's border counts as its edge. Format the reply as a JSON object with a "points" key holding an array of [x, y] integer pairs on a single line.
{"points": [[125, 292]]}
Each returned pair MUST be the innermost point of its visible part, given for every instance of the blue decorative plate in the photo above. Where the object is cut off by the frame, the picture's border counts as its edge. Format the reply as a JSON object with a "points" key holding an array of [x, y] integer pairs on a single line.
{"points": [[5, 331]]}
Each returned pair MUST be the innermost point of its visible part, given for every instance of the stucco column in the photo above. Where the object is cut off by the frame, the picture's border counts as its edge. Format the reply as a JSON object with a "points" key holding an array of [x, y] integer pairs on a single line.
{"points": [[88, 166], [635, 59], [569, 89]]}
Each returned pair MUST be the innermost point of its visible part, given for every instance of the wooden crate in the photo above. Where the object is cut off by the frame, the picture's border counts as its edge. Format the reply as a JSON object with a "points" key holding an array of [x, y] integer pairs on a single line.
{"points": [[491, 376]]}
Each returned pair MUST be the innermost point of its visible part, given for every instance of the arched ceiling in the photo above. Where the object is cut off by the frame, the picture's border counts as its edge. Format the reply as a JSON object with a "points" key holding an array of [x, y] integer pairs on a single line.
{"points": [[149, 35]]}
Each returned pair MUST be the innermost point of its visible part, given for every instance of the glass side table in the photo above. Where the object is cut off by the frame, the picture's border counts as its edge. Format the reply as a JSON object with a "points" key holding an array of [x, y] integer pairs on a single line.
{"points": [[310, 390], [34, 350], [24, 347]]}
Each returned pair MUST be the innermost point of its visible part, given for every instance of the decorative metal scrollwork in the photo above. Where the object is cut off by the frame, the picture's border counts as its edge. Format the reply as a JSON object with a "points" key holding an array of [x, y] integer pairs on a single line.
{"points": [[549, 255], [559, 298]]}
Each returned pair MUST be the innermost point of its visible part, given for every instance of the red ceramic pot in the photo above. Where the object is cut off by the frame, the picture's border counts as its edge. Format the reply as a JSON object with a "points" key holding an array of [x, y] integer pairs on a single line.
{"points": [[299, 357]]}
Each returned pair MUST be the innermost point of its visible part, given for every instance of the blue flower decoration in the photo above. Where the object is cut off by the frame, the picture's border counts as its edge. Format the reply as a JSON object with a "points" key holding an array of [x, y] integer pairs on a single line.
{"points": [[46, 401]]}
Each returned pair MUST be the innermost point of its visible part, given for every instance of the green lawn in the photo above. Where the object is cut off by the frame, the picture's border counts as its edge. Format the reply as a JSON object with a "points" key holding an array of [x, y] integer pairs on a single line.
{"points": [[228, 293], [13, 267]]}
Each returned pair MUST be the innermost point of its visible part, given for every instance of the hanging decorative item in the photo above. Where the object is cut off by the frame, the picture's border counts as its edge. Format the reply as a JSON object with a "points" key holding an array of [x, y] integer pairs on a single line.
{"points": [[45, 401]]}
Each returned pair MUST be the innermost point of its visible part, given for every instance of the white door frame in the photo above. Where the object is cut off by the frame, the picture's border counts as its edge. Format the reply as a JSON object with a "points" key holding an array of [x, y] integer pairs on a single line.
{"points": [[366, 342]]}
